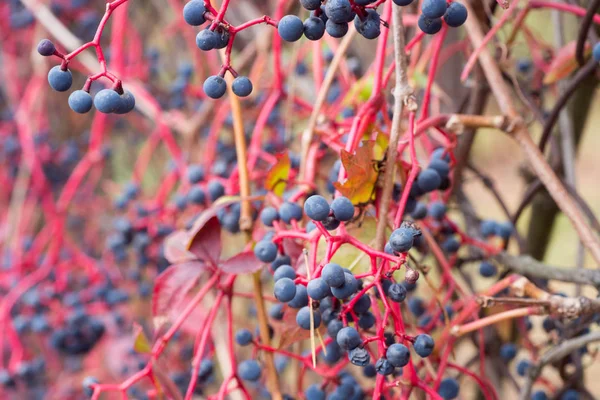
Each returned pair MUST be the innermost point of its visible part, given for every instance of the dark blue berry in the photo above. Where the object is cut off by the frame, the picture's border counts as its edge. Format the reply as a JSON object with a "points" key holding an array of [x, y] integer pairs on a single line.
{"points": [[429, 180], [215, 190], [348, 338], [243, 337], [60, 80], [433, 8], [384, 367], [370, 26], [455, 15], [396, 292], [336, 30], [107, 101], [523, 367], [429, 26], [265, 251], [398, 355], [126, 103], [241, 86], [401, 240], [196, 195], [437, 210], [300, 299], [448, 389], [193, 12], [487, 269], [596, 52], [424, 345], [249, 370], [195, 173], [339, 11], [313, 392], [80, 101], [349, 287], [317, 208], [206, 40], [333, 275], [268, 215], [284, 271], [359, 356], [46, 48], [314, 28], [303, 318], [318, 289], [342, 208], [508, 351], [290, 28], [214, 87], [311, 5], [290, 211]]}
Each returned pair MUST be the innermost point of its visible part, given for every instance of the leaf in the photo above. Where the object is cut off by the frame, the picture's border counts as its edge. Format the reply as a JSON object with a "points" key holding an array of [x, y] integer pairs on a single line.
{"points": [[381, 142], [564, 62], [361, 172], [140, 341], [171, 286], [242, 263], [175, 247], [206, 241], [360, 91], [278, 175]]}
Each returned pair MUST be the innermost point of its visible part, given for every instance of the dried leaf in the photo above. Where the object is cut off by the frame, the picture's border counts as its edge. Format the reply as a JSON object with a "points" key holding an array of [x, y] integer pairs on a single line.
{"points": [[140, 341], [564, 62], [278, 175], [170, 288], [175, 247], [206, 241], [242, 263], [362, 174]]}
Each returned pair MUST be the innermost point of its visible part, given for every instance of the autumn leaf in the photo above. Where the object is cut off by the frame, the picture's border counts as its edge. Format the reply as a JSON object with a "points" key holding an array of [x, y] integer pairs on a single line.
{"points": [[278, 175], [205, 242], [362, 174], [564, 62], [242, 263], [140, 341]]}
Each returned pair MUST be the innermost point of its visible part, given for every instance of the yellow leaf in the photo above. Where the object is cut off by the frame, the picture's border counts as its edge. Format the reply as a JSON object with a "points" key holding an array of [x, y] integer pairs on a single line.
{"points": [[362, 173], [278, 175], [140, 343]]}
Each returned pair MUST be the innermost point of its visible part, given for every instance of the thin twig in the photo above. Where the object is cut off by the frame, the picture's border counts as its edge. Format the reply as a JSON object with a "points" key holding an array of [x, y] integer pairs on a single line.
{"points": [[584, 29]]}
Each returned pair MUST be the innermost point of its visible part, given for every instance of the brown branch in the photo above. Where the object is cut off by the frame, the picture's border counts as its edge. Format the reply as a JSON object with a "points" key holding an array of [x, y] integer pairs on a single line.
{"points": [[553, 184], [584, 29]]}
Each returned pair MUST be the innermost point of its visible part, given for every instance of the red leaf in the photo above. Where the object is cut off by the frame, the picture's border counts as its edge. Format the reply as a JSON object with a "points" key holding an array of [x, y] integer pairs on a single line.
{"points": [[171, 286], [292, 248], [175, 247], [564, 62], [206, 240], [242, 263]]}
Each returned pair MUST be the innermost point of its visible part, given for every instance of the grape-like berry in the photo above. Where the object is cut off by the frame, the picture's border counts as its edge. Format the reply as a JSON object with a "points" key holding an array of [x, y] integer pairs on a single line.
{"points": [[60, 80], [215, 87], [290, 28], [80, 101]]}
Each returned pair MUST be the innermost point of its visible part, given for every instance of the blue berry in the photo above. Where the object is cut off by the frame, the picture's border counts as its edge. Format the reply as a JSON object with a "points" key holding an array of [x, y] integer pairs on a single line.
{"points": [[249, 370], [348, 338], [276, 312], [317, 208], [268, 215], [429, 180], [333, 275], [60, 80], [455, 15], [241, 86], [290, 211], [487, 269], [429, 26], [214, 87], [193, 13], [342, 208], [384, 367], [265, 251], [126, 103], [419, 212], [448, 389], [215, 190], [318, 289], [433, 8], [222, 38], [279, 261], [570, 394], [370, 26], [366, 321], [596, 52], [310, 5], [508, 351], [206, 40], [504, 230], [349, 287], [284, 290], [398, 355], [243, 337], [451, 245], [339, 11], [284, 271], [314, 28], [80, 101], [362, 305], [396, 292], [303, 318], [195, 173], [46, 48], [334, 327], [440, 166], [487, 228], [196, 195], [290, 28], [336, 30], [548, 324], [416, 306], [539, 395], [370, 371], [401, 240], [107, 101], [437, 210], [403, 3], [314, 393], [359, 356], [424, 345], [300, 299], [331, 223], [522, 367]]}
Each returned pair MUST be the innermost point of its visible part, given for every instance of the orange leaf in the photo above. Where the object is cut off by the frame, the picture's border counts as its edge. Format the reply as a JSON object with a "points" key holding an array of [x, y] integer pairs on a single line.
{"points": [[278, 175], [362, 174], [564, 63]]}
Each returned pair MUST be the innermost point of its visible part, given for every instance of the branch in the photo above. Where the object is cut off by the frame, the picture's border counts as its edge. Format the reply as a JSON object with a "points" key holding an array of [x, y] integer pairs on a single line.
{"points": [[586, 22]]}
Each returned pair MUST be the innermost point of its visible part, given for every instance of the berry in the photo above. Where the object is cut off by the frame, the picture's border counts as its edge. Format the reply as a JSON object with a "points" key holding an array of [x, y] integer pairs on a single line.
{"points": [[331, 223], [451, 245], [429, 26], [311, 5], [46, 48], [80, 101], [570, 394], [249, 370], [595, 52], [243, 337], [336, 30], [397, 292], [290, 211], [398, 355], [415, 305], [539, 395], [284, 271], [448, 389], [403, 3], [318, 289], [126, 104], [349, 287], [424, 345], [440, 166], [215, 190], [369, 27], [241, 86], [508, 351], [504, 230], [334, 327], [433, 8], [265, 251], [429, 180], [193, 12], [303, 318], [522, 367], [214, 87], [195, 173], [314, 28], [455, 15], [313, 392], [362, 305], [401, 240], [222, 38], [206, 40], [342, 208], [437, 210], [290, 28], [366, 321], [268, 215], [339, 11], [487, 269], [107, 101], [384, 367], [284, 290], [279, 261], [348, 338], [300, 299], [316, 208], [359, 356], [276, 312], [419, 212], [60, 80]]}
